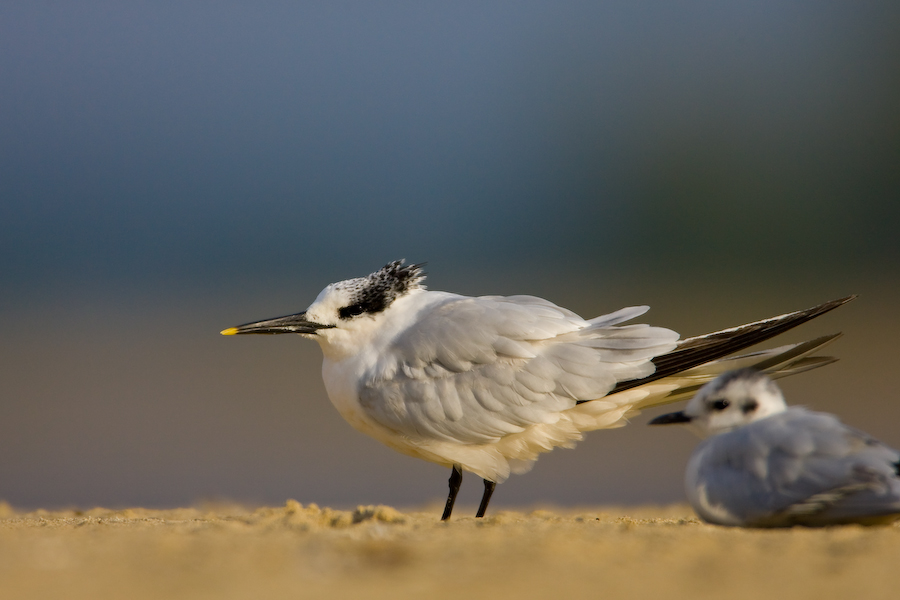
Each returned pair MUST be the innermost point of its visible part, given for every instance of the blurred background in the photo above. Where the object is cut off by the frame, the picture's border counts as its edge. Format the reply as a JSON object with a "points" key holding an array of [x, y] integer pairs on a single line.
{"points": [[171, 169]]}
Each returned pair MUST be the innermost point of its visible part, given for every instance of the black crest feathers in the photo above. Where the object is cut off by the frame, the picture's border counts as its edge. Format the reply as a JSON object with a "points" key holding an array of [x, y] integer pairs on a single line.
{"points": [[374, 293]]}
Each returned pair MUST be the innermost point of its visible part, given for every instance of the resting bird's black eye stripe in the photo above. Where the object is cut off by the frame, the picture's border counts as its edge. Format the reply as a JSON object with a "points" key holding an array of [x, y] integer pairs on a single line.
{"points": [[374, 293], [720, 404], [352, 310]]}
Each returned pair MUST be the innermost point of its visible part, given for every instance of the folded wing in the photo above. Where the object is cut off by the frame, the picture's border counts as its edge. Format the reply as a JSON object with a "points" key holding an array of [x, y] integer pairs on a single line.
{"points": [[800, 467], [479, 369]]}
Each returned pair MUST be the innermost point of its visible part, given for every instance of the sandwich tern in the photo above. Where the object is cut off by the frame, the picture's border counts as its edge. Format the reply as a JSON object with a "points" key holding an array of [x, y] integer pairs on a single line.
{"points": [[766, 465], [485, 384]]}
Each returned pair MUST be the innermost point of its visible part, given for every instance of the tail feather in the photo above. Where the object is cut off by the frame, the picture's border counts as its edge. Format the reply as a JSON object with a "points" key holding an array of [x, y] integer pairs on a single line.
{"points": [[777, 363], [703, 349]]}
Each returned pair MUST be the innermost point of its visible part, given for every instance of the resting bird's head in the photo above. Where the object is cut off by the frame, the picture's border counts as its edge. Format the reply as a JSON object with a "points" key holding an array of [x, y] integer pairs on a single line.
{"points": [[731, 400], [346, 307]]}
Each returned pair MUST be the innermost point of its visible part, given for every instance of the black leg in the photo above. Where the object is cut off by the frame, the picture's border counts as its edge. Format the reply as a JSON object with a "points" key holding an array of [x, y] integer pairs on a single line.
{"points": [[488, 490], [455, 482]]}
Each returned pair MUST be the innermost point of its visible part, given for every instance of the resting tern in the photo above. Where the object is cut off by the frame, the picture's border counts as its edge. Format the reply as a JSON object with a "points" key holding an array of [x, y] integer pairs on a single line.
{"points": [[766, 465], [485, 384]]}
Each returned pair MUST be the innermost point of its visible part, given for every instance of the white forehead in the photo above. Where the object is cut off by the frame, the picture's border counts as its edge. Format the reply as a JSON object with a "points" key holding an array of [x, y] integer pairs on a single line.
{"points": [[340, 289], [334, 296]]}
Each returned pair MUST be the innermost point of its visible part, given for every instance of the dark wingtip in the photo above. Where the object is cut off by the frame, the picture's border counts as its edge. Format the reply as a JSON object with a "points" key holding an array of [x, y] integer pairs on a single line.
{"points": [[702, 349], [826, 306], [800, 349]]}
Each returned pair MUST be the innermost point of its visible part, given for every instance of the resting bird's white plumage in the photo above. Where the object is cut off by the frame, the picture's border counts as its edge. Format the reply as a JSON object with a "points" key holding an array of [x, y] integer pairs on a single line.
{"points": [[766, 465], [485, 384]]}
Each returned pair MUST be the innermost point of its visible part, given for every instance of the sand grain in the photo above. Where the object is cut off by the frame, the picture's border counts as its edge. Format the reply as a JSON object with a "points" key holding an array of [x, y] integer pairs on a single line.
{"points": [[378, 552]]}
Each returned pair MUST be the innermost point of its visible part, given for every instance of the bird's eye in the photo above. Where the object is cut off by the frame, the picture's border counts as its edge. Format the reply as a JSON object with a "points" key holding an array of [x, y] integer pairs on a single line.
{"points": [[348, 312], [719, 405], [749, 406]]}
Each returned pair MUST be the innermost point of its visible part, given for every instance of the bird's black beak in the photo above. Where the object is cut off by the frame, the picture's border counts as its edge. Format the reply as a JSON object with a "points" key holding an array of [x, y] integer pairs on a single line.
{"points": [[669, 418], [297, 323]]}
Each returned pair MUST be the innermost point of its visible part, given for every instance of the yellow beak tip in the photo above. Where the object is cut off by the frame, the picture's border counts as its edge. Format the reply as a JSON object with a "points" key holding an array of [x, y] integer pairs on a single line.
{"points": [[229, 331]]}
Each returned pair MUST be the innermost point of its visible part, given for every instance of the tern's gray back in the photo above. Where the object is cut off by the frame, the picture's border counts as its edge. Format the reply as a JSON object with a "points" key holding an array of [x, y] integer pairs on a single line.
{"points": [[473, 370], [796, 467]]}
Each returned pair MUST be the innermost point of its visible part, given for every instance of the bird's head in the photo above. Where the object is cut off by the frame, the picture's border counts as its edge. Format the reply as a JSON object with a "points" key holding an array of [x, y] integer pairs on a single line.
{"points": [[730, 401], [346, 307]]}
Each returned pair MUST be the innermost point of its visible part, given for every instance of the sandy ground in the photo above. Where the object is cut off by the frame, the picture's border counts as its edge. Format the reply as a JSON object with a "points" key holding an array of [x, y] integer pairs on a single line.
{"points": [[296, 551]]}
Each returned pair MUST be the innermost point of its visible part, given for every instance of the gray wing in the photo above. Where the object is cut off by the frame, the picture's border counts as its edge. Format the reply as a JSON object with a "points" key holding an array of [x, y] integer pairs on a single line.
{"points": [[800, 467], [474, 370]]}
